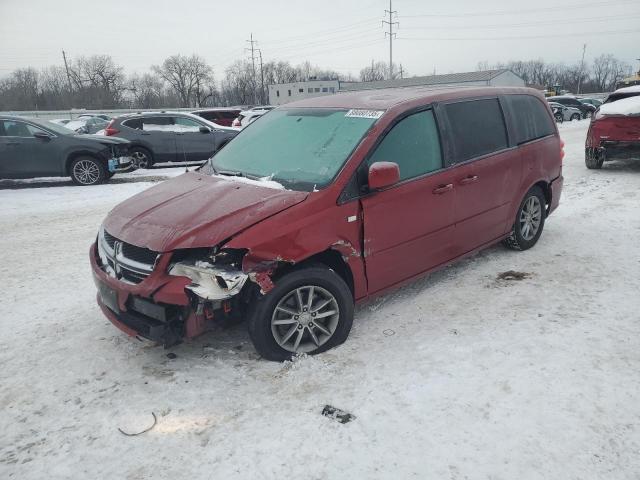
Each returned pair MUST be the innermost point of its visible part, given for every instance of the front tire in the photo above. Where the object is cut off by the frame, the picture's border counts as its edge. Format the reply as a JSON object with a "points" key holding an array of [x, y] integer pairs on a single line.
{"points": [[310, 310], [529, 221], [87, 171]]}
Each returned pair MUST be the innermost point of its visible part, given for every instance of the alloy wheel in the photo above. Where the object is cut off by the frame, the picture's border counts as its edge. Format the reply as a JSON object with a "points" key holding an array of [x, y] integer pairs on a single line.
{"points": [[140, 159], [305, 319], [86, 172], [530, 218]]}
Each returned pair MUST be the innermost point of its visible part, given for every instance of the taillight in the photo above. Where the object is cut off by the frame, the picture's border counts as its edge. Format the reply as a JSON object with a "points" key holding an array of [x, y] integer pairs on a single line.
{"points": [[111, 130], [561, 149]]}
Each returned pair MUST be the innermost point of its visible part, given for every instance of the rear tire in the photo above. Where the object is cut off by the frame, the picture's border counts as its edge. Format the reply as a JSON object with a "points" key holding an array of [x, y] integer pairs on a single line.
{"points": [[141, 157], [593, 159], [312, 303], [529, 221], [87, 171], [575, 116]]}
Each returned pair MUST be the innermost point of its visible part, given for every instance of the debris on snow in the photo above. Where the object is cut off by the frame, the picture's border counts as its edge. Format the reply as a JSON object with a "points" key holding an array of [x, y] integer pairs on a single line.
{"points": [[337, 414], [155, 421]]}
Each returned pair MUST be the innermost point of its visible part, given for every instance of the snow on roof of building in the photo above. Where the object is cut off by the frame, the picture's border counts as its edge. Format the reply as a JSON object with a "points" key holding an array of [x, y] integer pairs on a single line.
{"points": [[450, 78], [624, 106]]}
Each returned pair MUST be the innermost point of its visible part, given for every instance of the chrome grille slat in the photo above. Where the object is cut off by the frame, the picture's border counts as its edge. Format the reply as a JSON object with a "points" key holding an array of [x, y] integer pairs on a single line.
{"points": [[124, 261]]}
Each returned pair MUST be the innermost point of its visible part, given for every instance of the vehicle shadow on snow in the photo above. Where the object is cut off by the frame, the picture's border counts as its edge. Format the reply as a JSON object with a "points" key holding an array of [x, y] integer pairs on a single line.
{"points": [[9, 184], [233, 343], [620, 165]]}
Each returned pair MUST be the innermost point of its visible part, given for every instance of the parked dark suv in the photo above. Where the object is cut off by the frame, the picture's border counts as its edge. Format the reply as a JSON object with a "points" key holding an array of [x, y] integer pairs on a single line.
{"points": [[585, 108], [37, 148], [169, 137], [326, 202]]}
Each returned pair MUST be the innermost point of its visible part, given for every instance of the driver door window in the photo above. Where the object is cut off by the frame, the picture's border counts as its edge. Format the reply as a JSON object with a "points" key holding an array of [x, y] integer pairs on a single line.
{"points": [[413, 144]]}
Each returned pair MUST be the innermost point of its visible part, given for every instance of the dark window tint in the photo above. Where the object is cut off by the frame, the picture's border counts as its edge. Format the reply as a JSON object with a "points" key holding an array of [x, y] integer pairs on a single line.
{"points": [[413, 144], [531, 118], [477, 128], [12, 128], [135, 123]]}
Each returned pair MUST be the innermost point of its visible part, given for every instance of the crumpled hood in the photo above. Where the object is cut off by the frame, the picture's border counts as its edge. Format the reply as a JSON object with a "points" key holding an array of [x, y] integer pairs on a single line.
{"points": [[195, 210]]}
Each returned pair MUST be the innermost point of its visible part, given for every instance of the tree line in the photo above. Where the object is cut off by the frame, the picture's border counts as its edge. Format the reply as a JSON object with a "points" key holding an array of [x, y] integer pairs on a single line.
{"points": [[600, 75], [98, 82]]}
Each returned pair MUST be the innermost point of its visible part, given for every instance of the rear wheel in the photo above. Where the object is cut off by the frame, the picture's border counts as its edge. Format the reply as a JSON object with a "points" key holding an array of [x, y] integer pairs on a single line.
{"points": [[529, 221], [310, 310], [575, 116], [87, 171], [593, 159], [141, 157]]}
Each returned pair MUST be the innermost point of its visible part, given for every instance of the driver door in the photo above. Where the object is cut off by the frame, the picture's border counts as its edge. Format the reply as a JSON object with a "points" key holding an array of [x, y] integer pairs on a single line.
{"points": [[408, 227], [192, 144], [21, 154]]}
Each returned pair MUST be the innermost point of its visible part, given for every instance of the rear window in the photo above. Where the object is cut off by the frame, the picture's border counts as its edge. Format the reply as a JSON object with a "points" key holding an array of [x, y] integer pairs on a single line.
{"points": [[531, 118], [477, 128]]}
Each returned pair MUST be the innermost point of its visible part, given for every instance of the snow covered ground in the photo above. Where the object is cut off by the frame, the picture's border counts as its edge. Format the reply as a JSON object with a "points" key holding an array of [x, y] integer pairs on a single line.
{"points": [[460, 375]]}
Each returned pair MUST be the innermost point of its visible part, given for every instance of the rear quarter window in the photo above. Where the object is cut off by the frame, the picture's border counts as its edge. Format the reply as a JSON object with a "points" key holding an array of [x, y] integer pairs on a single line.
{"points": [[135, 123], [531, 118], [476, 128]]}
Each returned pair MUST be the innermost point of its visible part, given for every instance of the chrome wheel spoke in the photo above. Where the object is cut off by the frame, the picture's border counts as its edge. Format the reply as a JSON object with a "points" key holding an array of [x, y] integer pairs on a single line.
{"points": [[305, 318], [321, 328]]}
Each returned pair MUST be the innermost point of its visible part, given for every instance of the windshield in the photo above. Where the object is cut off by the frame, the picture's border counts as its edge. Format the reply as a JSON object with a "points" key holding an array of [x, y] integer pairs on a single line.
{"points": [[302, 148]]}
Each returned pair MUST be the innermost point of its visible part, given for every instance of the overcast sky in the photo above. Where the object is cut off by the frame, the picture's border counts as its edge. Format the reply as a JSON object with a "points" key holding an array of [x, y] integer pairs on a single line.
{"points": [[343, 35]]}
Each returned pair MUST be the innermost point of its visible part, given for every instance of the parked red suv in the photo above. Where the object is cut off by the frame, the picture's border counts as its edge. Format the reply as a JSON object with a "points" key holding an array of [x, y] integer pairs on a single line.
{"points": [[614, 131], [219, 116], [326, 202]]}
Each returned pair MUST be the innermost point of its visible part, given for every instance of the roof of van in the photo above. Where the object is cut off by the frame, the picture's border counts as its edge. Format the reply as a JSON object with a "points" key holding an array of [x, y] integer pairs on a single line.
{"points": [[385, 98]]}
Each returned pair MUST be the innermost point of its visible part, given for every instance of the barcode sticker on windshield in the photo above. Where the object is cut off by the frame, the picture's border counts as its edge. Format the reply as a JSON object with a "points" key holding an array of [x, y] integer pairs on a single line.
{"points": [[364, 113]]}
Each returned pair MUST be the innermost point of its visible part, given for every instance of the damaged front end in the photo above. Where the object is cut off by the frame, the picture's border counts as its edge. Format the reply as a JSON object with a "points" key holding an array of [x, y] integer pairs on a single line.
{"points": [[173, 295]]}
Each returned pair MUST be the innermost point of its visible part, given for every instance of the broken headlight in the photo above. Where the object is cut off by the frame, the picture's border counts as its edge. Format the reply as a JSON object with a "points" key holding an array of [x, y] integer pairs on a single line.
{"points": [[217, 275]]}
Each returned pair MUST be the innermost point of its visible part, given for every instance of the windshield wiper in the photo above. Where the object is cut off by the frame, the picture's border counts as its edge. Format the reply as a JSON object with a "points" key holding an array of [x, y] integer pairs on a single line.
{"points": [[230, 173]]}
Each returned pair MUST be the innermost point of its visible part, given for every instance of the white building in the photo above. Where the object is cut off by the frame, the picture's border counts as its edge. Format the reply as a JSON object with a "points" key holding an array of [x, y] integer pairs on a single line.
{"points": [[282, 93]]}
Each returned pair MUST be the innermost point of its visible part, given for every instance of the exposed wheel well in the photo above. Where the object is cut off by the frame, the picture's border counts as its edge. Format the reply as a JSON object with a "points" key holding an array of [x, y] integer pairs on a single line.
{"points": [[546, 189], [330, 258], [72, 156]]}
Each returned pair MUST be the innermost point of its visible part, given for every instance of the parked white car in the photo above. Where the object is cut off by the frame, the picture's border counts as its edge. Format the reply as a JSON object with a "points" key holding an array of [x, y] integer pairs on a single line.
{"points": [[569, 113], [249, 116]]}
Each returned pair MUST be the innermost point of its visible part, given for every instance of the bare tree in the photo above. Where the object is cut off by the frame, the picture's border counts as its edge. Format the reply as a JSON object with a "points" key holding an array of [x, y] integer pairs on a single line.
{"points": [[376, 71], [186, 76]]}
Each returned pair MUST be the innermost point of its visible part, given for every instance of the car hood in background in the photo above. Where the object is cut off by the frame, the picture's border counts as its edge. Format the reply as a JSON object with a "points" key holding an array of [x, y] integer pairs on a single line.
{"points": [[195, 210]]}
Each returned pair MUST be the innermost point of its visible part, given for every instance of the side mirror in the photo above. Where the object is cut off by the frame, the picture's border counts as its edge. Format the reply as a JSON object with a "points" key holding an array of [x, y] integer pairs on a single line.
{"points": [[42, 136], [204, 129], [383, 174]]}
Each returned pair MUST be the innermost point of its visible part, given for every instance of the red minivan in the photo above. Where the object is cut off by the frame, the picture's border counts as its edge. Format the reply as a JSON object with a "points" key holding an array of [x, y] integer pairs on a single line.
{"points": [[324, 203]]}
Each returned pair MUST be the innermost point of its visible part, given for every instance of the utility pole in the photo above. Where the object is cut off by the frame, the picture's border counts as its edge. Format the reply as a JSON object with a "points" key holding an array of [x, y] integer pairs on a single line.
{"points": [[584, 49], [391, 23], [253, 64], [261, 79], [401, 72], [66, 67]]}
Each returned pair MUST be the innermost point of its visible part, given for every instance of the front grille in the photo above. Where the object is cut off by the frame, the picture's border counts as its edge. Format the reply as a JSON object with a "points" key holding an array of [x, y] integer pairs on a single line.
{"points": [[124, 261]]}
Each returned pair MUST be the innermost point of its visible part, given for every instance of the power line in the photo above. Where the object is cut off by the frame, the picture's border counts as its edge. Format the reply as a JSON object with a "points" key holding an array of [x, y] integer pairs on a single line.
{"points": [[526, 24], [391, 23], [523, 37], [523, 10]]}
